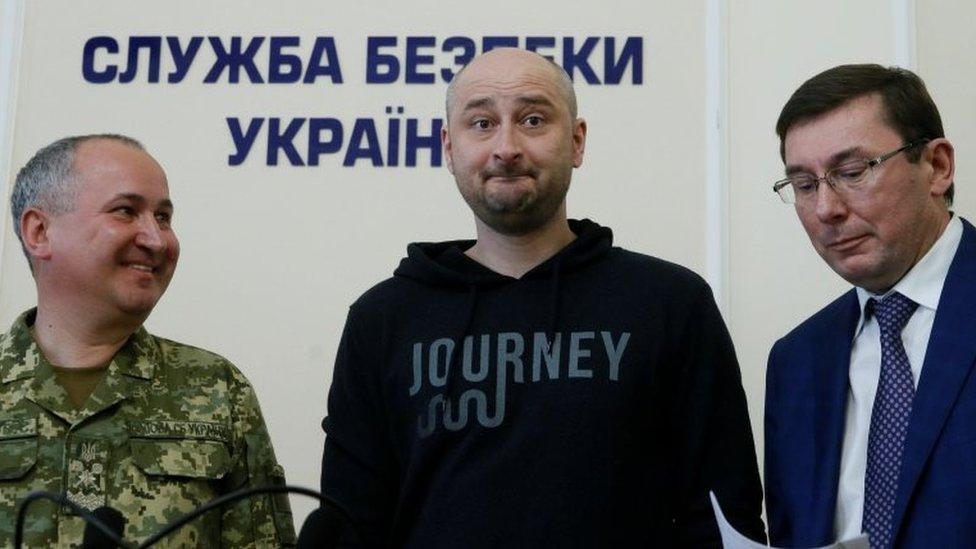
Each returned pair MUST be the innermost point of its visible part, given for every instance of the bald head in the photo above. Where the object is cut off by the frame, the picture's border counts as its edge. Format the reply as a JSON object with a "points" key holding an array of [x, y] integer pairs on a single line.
{"points": [[502, 62]]}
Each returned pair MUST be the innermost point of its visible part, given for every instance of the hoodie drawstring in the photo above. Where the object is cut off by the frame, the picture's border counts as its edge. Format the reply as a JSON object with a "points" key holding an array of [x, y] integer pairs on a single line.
{"points": [[555, 300]]}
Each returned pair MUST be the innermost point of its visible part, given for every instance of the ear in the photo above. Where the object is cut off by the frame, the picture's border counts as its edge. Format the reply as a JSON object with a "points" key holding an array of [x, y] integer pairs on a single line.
{"points": [[34, 228], [940, 155], [446, 147], [579, 141]]}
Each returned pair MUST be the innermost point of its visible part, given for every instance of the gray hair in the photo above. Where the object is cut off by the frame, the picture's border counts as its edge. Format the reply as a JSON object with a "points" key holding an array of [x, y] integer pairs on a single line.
{"points": [[563, 82], [47, 180]]}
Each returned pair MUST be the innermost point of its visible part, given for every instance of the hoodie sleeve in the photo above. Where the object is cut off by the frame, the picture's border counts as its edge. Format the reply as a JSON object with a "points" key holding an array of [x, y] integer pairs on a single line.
{"points": [[714, 445], [358, 471]]}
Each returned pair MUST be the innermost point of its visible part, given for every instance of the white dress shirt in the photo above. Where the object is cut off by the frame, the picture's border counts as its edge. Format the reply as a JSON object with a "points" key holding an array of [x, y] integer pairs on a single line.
{"points": [[923, 285]]}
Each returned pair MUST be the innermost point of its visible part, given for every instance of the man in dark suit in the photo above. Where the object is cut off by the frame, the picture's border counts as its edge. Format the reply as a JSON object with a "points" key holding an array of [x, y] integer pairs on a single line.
{"points": [[871, 402]]}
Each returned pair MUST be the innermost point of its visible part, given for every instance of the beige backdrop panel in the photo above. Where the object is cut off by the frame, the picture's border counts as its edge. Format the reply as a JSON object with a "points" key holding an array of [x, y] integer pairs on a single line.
{"points": [[273, 256]]}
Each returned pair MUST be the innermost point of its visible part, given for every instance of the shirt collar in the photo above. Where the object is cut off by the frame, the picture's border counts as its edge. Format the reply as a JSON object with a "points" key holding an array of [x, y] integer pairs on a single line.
{"points": [[924, 281], [20, 355]]}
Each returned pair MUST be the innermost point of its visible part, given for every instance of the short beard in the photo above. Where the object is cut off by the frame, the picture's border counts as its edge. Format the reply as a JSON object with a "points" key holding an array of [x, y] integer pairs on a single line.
{"points": [[533, 212]]}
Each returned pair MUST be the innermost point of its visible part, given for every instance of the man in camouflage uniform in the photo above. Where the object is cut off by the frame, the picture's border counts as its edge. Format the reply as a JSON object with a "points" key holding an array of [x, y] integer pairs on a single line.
{"points": [[92, 405]]}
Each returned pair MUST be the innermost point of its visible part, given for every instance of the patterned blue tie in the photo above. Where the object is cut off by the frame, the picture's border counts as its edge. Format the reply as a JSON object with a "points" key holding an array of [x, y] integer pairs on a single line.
{"points": [[889, 418]]}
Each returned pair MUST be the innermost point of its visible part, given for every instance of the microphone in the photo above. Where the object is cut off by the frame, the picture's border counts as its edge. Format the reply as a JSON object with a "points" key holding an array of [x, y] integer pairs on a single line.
{"points": [[322, 528], [94, 538], [318, 529], [95, 523]]}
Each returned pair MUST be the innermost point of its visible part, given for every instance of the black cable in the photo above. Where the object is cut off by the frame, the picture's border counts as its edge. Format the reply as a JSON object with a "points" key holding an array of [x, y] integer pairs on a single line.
{"points": [[241, 494], [61, 499]]}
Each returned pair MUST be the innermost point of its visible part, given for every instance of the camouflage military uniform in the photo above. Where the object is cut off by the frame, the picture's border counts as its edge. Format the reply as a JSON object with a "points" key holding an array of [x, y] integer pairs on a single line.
{"points": [[169, 428]]}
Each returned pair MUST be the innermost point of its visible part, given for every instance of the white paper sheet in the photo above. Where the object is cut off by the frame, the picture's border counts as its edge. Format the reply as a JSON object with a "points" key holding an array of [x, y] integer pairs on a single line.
{"points": [[732, 539]]}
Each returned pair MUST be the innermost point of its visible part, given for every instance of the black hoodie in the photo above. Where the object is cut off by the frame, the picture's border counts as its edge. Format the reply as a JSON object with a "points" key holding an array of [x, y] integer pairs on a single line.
{"points": [[454, 422]]}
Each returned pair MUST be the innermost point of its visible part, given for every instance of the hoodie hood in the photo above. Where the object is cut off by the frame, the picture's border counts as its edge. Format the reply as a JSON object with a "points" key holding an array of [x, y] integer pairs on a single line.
{"points": [[443, 264]]}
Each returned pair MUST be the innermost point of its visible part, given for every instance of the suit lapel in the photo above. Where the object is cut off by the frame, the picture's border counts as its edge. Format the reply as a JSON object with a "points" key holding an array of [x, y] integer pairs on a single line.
{"points": [[948, 361], [831, 367]]}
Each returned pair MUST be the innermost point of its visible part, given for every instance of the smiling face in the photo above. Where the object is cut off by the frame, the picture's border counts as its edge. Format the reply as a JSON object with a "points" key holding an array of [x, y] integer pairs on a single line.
{"points": [[114, 252], [511, 141], [871, 238]]}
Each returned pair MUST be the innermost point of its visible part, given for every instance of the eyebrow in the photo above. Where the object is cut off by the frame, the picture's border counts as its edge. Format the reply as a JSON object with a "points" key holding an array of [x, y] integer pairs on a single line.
{"points": [[531, 100], [134, 197], [540, 100], [478, 103], [835, 159]]}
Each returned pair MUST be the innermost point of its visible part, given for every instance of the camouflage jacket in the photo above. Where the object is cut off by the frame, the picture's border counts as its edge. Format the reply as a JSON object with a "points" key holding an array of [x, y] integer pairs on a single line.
{"points": [[169, 428]]}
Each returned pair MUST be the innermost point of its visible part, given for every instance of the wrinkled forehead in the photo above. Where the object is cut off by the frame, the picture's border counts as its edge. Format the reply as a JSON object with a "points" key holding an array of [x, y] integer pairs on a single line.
{"points": [[507, 74], [513, 86]]}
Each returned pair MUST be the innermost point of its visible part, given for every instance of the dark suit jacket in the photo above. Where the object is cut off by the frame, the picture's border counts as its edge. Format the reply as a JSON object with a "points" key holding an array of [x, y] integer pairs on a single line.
{"points": [[806, 396]]}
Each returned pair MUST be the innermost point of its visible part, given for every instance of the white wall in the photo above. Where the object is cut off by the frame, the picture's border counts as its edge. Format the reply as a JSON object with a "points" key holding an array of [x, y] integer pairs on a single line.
{"points": [[681, 166]]}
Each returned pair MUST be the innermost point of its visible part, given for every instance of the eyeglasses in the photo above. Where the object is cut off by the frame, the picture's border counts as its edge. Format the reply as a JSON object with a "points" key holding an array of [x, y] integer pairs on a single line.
{"points": [[843, 179]]}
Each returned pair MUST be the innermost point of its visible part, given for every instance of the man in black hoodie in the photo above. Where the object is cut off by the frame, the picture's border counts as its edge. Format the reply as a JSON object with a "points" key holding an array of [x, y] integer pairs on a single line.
{"points": [[536, 387]]}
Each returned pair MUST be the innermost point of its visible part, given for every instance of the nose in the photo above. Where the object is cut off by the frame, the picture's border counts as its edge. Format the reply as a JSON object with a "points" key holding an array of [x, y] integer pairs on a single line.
{"points": [[150, 235], [508, 146], [830, 206]]}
